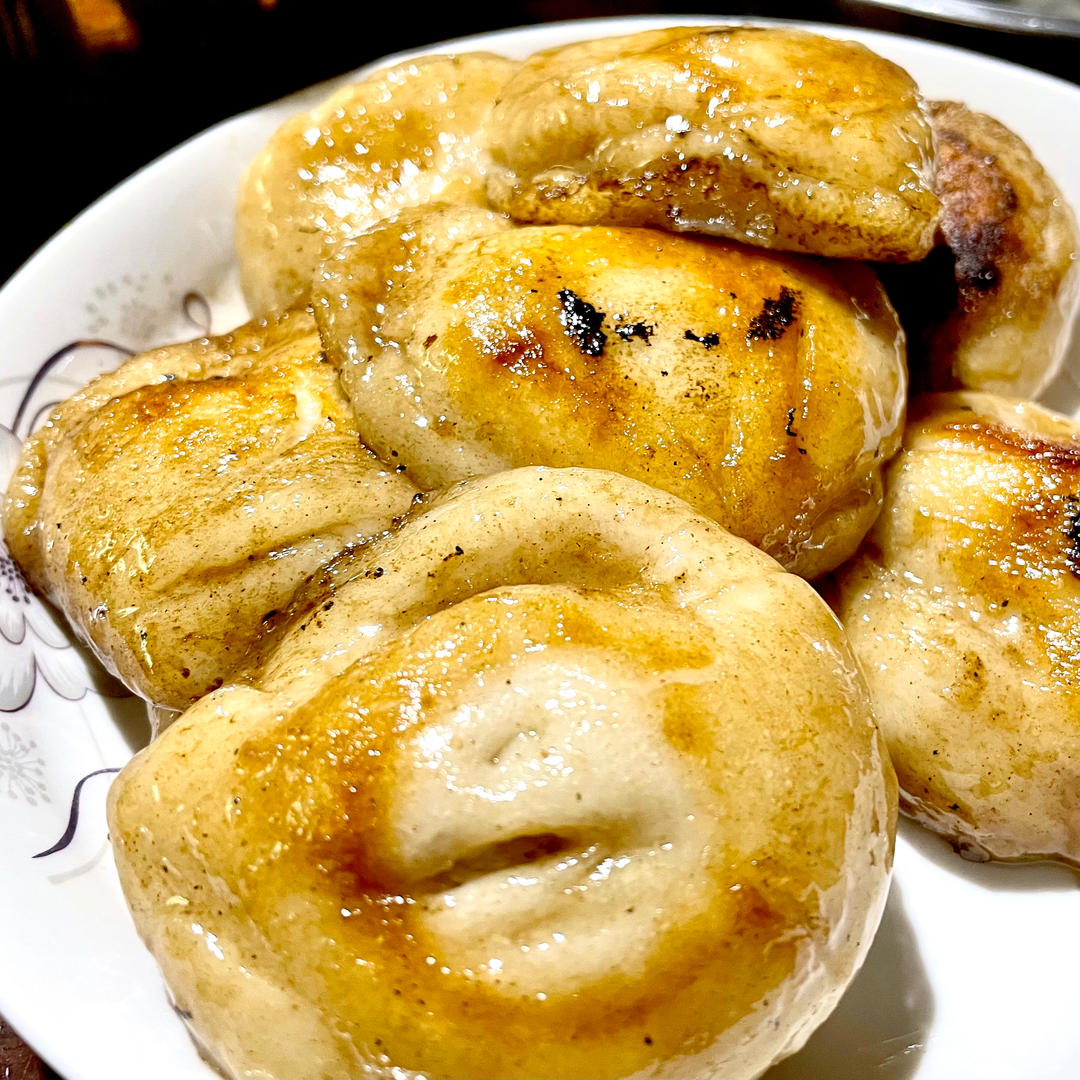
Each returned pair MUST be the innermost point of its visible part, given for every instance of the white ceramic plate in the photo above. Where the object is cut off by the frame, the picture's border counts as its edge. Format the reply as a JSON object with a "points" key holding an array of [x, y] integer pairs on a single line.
{"points": [[974, 970]]}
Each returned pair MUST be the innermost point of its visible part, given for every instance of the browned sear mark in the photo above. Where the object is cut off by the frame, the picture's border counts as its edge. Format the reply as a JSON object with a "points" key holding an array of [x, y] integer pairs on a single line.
{"points": [[775, 317], [978, 199], [1072, 533]]}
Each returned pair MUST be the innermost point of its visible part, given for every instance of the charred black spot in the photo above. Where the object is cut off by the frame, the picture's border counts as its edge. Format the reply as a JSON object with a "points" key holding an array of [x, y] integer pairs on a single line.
{"points": [[775, 317], [582, 323], [978, 200], [976, 252], [1072, 533], [708, 340], [789, 430], [637, 329]]}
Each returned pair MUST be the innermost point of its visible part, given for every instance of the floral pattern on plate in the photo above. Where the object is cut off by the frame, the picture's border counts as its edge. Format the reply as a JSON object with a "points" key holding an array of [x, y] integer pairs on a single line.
{"points": [[22, 769], [33, 642]]}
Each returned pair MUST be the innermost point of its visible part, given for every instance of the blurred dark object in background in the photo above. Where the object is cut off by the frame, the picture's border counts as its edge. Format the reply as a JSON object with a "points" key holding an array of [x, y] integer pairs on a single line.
{"points": [[18, 1061], [93, 89]]}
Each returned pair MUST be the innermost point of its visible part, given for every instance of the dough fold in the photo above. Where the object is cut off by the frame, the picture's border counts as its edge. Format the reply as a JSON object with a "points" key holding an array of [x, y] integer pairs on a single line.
{"points": [[772, 136], [171, 505], [558, 778]]}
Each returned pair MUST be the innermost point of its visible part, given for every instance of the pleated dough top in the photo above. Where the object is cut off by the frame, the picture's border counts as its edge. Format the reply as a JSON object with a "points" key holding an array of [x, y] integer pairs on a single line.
{"points": [[172, 504], [772, 136], [557, 779]]}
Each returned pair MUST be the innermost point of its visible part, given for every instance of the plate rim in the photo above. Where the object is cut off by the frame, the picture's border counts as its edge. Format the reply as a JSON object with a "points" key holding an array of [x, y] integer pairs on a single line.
{"points": [[55, 248]]}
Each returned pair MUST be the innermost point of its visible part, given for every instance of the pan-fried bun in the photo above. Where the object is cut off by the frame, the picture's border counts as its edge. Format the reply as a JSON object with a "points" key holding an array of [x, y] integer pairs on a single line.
{"points": [[767, 390], [993, 308], [772, 136], [557, 779], [964, 607], [170, 505]]}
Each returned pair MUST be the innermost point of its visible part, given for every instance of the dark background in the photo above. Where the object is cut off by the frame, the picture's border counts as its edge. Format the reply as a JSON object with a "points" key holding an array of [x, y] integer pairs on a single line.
{"points": [[93, 89]]}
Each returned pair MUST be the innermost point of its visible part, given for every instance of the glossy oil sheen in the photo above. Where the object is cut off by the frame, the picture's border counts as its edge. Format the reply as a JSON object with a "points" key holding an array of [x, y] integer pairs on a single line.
{"points": [[771, 136], [170, 505], [964, 608], [556, 779], [408, 135], [766, 390]]}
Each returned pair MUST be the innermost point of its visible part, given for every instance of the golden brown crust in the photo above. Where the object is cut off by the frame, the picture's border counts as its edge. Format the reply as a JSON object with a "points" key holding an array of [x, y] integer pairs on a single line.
{"points": [[771, 136], [964, 607], [407, 135], [997, 314], [439, 837], [978, 200], [766, 390], [171, 504]]}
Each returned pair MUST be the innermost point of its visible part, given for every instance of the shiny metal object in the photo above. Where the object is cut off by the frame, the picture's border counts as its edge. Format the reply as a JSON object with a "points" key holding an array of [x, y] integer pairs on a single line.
{"points": [[1027, 17]]}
